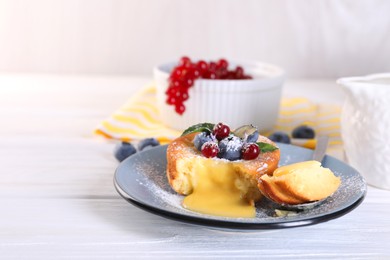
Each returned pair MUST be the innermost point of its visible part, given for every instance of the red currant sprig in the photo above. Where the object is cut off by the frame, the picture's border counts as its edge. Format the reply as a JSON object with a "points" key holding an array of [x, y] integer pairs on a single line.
{"points": [[183, 76]]}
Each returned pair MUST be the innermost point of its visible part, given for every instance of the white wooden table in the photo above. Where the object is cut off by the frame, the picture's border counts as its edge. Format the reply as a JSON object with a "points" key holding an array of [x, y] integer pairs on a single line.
{"points": [[58, 200]]}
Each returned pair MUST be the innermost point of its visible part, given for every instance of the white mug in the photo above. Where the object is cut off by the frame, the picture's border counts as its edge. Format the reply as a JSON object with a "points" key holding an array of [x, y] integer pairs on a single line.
{"points": [[365, 126]]}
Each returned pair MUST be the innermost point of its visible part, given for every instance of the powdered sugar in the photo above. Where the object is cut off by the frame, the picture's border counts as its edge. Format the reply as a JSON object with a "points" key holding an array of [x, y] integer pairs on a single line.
{"points": [[262, 167]]}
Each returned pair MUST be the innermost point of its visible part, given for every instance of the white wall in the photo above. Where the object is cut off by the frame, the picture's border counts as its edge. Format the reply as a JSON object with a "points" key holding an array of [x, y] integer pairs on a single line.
{"points": [[309, 38]]}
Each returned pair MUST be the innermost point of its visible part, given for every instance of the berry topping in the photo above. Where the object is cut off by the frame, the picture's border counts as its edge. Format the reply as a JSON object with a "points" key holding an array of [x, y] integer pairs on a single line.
{"points": [[250, 151], [280, 137], [202, 138], [210, 149], [184, 75], [233, 146], [147, 143], [230, 148], [221, 131], [303, 131], [124, 150]]}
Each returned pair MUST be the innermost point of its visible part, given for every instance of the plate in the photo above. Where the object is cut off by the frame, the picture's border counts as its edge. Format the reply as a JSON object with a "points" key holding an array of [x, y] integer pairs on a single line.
{"points": [[141, 180]]}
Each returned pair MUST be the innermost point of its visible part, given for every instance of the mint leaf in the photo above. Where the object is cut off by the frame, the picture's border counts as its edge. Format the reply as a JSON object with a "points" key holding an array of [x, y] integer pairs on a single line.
{"points": [[202, 127], [266, 147]]}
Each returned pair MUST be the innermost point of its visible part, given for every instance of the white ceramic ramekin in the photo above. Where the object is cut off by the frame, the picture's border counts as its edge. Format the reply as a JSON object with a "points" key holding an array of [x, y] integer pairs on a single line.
{"points": [[234, 102]]}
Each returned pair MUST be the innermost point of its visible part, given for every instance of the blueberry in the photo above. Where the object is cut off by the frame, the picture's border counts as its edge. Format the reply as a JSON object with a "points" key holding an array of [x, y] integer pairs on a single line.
{"points": [[147, 143], [124, 150], [252, 138], [201, 138], [230, 148], [303, 131], [280, 137]]}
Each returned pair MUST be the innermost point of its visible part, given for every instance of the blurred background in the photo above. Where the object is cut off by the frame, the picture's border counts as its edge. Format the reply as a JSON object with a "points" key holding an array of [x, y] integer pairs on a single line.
{"points": [[310, 39]]}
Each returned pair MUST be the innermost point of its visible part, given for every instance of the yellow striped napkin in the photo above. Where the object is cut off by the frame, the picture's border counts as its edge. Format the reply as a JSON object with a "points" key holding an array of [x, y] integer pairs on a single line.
{"points": [[139, 119]]}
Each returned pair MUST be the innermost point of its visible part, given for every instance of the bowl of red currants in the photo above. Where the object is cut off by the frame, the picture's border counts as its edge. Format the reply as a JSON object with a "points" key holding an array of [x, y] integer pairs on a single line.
{"points": [[236, 93]]}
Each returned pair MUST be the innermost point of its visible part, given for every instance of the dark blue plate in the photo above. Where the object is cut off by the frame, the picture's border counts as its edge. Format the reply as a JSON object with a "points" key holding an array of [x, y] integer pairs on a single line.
{"points": [[141, 180]]}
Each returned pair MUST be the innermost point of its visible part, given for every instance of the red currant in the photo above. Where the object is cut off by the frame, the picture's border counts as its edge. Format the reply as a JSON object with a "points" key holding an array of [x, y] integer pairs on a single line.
{"points": [[169, 91], [222, 64], [176, 83], [187, 83], [212, 66], [182, 94], [239, 72], [209, 75], [176, 73], [230, 75], [250, 151], [202, 66], [194, 73], [180, 108], [210, 149], [185, 61], [171, 100], [221, 131], [222, 73]]}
